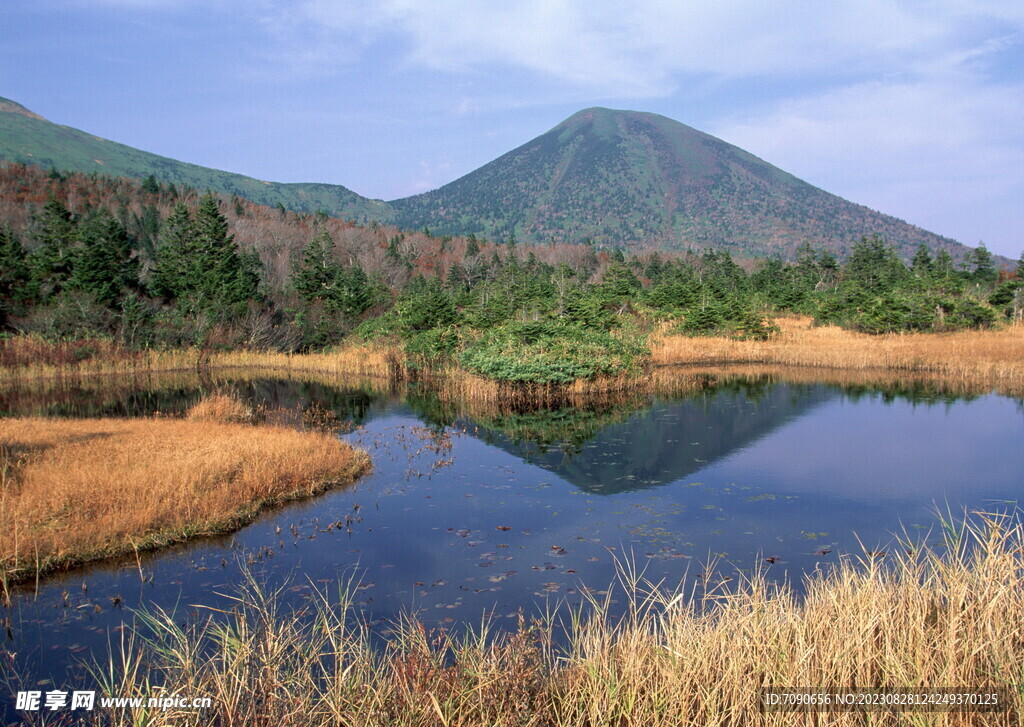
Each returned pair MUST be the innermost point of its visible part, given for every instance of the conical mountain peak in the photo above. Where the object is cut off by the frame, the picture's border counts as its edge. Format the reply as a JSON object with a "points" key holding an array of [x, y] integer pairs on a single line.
{"points": [[638, 179]]}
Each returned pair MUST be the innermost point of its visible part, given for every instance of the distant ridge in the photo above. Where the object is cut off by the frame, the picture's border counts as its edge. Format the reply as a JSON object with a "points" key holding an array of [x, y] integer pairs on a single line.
{"points": [[28, 138], [616, 178]]}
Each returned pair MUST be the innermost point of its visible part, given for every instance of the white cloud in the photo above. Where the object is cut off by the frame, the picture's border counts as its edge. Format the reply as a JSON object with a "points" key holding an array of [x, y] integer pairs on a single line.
{"points": [[641, 48], [943, 153]]}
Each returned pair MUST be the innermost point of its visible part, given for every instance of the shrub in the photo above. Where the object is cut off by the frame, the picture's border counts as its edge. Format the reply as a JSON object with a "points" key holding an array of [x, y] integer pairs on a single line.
{"points": [[549, 352]]}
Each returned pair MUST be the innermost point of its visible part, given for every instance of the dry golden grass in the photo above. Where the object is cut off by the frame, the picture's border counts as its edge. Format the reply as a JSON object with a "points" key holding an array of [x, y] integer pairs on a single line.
{"points": [[962, 361], [990, 359], [455, 384], [30, 358], [915, 619], [222, 407], [75, 490]]}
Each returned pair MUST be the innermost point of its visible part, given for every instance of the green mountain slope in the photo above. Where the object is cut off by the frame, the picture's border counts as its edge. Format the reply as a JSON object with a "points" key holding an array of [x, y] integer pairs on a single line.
{"points": [[29, 138], [630, 178], [620, 178]]}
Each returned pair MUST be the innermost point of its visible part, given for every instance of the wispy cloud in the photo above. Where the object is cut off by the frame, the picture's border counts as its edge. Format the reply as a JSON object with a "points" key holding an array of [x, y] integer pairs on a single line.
{"points": [[642, 48], [941, 155]]}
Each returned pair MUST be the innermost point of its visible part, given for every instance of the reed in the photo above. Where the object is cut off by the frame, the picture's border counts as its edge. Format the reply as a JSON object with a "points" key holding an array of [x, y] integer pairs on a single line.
{"points": [[963, 360], [950, 616], [455, 384], [28, 357], [985, 359], [76, 490]]}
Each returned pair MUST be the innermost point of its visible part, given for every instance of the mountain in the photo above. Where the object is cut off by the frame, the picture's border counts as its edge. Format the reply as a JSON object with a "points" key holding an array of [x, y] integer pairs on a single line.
{"points": [[618, 178], [28, 138], [633, 179]]}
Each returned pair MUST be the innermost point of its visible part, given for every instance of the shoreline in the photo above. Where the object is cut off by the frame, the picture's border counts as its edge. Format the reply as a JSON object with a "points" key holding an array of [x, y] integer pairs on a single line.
{"points": [[979, 360], [86, 490]]}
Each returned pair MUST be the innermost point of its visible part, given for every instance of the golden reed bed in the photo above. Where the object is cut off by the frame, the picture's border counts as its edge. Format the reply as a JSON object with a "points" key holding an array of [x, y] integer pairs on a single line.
{"points": [[986, 359], [962, 361], [75, 490], [916, 618]]}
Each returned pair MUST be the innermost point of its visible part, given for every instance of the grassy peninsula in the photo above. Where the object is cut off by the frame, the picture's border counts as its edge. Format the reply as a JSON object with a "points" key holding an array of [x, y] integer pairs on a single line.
{"points": [[78, 490]]}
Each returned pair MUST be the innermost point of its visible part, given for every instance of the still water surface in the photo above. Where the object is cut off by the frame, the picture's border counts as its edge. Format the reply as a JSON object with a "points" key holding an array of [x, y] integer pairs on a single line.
{"points": [[464, 516]]}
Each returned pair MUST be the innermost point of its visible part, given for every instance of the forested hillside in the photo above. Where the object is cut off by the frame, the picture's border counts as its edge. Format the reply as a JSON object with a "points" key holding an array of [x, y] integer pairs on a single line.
{"points": [[28, 138], [154, 265], [640, 180], [625, 179]]}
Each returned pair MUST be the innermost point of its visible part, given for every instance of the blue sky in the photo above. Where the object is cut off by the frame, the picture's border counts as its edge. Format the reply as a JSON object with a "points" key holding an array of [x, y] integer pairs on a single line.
{"points": [[912, 107]]}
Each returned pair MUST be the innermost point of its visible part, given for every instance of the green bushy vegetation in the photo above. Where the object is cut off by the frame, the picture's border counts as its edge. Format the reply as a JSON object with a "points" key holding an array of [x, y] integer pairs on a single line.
{"points": [[516, 314], [551, 352]]}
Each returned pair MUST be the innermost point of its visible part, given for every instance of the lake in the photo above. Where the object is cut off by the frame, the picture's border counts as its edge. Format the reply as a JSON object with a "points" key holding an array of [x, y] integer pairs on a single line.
{"points": [[481, 512]]}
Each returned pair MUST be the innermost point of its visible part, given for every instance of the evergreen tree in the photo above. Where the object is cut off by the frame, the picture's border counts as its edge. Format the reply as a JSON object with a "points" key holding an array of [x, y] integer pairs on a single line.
{"points": [[319, 273], [200, 266], [874, 266], [828, 268], [52, 261], [14, 275], [425, 304], [149, 184], [983, 263], [618, 283], [175, 270], [355, 292], [104, 265], [654, 268], [922, 265], [455, 281], [943, 268], [146, 229], [705, 319], [808, 269], [230, 278]]}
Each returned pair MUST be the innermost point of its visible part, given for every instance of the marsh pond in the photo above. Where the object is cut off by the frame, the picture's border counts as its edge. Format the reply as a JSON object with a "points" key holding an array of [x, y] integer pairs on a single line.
{"points": [[479, 512]]}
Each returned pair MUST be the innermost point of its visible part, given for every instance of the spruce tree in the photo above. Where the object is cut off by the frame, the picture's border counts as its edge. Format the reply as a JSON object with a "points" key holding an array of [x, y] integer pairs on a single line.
{"points": [[229, 279], [52, 261], [14, 275], [874, 266], [984, 265], [200, 266], [104, 265], [174, 272], [943, 267], [922, 264], [319, 273]]}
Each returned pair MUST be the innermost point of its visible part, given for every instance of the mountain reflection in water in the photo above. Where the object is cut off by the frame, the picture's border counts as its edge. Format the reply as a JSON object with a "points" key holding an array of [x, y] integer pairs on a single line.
{"points": [[472, 510]]}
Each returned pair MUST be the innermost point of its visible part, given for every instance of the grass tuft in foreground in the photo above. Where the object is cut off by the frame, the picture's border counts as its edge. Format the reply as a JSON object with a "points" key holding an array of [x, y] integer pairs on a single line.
{"points": [[917, 617], [76, 490]]}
